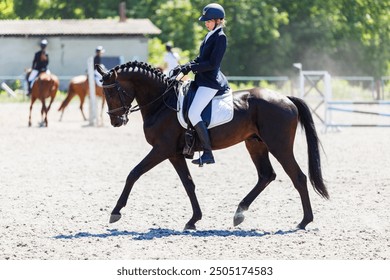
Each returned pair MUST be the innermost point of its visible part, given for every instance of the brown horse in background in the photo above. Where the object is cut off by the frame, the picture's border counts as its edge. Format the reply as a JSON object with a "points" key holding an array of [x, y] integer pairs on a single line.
{"points": [[79, 86], [45, 86]]}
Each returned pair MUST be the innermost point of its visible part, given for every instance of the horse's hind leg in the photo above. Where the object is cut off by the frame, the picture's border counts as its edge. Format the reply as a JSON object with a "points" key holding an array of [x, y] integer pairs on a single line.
{"points": [[51, 102], [181, 168], [43, 113], [286, 158], [48, 109], [82, 99], [33, 98], [259, 154]]}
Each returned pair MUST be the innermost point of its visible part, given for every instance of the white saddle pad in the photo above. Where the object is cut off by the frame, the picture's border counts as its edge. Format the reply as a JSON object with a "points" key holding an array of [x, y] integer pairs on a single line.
{"points": [[221, 111]]}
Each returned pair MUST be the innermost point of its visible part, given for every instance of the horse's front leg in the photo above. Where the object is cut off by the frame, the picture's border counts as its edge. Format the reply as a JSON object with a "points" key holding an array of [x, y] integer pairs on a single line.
{"points": [[151, 160], [181, 168]]}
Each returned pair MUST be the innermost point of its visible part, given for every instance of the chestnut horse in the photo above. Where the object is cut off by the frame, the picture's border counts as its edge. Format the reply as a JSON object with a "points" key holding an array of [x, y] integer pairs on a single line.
{"points": [[79, 85], [45, 86], [266, 121]]}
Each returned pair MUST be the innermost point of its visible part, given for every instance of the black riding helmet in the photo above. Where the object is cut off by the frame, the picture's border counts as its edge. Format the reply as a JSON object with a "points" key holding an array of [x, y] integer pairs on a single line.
{"points": [[212, 11]]}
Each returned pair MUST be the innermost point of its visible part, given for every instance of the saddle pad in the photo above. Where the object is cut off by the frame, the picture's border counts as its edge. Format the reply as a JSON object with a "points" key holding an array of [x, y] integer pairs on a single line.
{"points": [[222, 108]]}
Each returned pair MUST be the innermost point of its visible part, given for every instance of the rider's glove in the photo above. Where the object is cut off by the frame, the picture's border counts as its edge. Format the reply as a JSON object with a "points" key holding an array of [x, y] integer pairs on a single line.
{"points": [[186, 68], [175, 71]]}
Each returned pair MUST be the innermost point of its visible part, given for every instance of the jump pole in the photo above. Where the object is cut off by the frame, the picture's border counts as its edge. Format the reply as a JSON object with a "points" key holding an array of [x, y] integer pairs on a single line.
{"points": [[92, 93], [8, 89]]}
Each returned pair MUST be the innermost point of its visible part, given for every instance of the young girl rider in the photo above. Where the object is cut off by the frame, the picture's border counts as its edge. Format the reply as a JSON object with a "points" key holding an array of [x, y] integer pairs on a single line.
{"points": [[208, 76], [39, 65]]}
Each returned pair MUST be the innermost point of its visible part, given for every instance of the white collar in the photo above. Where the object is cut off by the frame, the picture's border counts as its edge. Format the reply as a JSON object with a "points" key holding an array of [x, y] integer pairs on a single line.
{"points": [[212, 32]]}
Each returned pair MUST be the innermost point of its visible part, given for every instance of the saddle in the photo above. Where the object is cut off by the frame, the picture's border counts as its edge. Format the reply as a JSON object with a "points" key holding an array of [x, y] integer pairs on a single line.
{"points": [[219, 111], [36, 77]]}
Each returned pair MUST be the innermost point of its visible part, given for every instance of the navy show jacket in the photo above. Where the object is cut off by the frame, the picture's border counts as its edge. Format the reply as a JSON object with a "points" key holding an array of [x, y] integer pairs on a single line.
{"points": [[207, 66], [38, 64]]}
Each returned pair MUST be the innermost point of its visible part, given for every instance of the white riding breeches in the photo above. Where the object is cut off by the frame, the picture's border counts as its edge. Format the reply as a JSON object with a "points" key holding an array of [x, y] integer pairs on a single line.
{"points": [[98, 77], [202, 97], [34, 74]]}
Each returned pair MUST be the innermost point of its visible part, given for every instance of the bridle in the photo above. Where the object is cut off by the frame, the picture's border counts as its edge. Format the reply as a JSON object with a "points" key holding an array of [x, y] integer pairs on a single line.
{"points": [[129, 109], [126, 109]]}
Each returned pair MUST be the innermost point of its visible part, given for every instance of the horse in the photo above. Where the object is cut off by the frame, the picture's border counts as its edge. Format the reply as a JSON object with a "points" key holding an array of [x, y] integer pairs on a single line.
{"points": [[79, 85], [265, 120], [45, 86]]}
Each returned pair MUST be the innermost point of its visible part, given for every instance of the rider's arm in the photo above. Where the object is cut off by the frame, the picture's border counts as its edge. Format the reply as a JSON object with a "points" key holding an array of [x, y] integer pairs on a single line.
{"points": [[215, 58]]}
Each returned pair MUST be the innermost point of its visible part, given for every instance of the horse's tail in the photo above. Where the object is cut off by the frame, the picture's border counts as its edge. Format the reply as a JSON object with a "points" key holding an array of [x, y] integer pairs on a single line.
{"points": [[68, 98], [306, 120]]}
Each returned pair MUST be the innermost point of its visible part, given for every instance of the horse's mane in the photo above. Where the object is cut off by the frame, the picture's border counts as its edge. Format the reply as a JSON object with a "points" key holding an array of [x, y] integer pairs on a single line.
{"points": [[142, 68]]}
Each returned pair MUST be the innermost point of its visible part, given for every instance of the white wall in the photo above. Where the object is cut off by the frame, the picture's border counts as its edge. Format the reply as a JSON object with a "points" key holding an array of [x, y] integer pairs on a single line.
{"points": [[67, 55]]}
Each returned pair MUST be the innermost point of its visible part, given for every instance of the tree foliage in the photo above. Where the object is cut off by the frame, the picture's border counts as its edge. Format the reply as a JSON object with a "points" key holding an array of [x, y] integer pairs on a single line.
{"points": [[265, 37]]}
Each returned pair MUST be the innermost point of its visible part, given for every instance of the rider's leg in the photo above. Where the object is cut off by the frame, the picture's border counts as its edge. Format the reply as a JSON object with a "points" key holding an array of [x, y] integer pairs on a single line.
{"points": [[31, 78], [202, 97]]}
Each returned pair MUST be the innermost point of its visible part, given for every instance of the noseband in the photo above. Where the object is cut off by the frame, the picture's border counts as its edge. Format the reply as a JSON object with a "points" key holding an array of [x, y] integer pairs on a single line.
{"points": [[124, 108]]}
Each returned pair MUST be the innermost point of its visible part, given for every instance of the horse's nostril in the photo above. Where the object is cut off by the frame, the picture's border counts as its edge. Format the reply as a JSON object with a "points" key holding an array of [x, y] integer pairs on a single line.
{"points": [[117, 122]]}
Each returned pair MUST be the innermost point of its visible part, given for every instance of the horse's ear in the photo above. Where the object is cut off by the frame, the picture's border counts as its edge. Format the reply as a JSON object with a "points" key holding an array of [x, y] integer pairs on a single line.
{"points": [[100, 69]]}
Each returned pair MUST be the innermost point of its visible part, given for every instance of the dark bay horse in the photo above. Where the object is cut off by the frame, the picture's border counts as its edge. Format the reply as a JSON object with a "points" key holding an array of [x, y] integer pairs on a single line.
{"points": [[79, 85], [45, 86], [266, 121]]}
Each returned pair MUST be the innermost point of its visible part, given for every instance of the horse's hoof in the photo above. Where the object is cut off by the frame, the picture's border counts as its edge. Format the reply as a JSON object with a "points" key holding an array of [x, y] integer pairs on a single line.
{"points": [[301, 226], [239, 215], [115, 217], [238, 219], [189, 227]]}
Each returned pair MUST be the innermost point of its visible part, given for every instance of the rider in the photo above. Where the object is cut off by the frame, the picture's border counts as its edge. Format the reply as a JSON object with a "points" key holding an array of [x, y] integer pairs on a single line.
{"points": [[171, 58], [208, 76], [39, 65], [97, 60]]}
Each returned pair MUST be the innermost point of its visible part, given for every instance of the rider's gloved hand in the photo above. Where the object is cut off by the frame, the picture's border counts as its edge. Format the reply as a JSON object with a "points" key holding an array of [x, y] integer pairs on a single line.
{"points": [[186, 68], [175, 71]]}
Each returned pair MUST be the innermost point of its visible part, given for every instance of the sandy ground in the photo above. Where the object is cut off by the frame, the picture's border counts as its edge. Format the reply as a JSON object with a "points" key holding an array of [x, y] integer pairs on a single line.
{"points": [[59, 185]]}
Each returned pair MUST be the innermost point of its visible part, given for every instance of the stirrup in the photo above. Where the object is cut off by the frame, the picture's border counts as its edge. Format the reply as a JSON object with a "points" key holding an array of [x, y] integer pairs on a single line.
{"points": [[189, 146]]}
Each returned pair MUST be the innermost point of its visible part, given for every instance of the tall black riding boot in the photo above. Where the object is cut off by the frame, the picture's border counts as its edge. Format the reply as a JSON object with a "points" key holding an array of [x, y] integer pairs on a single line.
{"points": [[28, 88], [204, 138]]}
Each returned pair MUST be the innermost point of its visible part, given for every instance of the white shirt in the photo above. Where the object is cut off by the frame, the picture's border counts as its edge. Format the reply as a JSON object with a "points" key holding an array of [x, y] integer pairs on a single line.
{"points": [[172, 60], [211, 33]]}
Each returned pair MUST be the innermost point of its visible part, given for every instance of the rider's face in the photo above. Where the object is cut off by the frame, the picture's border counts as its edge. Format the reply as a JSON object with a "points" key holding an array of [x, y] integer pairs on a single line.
{"points": [[210, 24]]}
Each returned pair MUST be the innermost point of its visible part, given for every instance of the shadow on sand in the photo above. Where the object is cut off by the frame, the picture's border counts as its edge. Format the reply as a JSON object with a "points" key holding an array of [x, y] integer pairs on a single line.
{"points": [[155, 233]]}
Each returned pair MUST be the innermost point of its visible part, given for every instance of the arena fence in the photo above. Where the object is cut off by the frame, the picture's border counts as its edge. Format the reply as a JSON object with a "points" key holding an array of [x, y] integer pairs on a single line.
{"points": [[320, 83]]}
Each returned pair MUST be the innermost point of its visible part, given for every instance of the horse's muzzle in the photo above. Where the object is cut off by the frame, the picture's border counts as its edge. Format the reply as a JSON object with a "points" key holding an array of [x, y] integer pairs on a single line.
{"points": [[117, 121]]}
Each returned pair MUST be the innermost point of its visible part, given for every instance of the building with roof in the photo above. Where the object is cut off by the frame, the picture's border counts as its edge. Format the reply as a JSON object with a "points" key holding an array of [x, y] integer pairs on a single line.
{"points": [[71, 43]]}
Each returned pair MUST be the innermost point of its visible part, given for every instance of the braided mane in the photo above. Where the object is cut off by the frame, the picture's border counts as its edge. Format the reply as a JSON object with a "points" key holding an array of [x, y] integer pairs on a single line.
{"points": [[142, 68]]}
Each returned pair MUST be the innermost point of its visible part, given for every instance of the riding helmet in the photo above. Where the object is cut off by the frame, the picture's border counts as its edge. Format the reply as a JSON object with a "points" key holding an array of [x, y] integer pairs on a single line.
{"points": [[212, 11], [43, 43], [100, 49], [168, 46]]}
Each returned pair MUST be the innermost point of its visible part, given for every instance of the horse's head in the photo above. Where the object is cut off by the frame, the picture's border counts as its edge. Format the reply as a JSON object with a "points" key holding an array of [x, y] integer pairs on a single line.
{"points": [[118, 96]]}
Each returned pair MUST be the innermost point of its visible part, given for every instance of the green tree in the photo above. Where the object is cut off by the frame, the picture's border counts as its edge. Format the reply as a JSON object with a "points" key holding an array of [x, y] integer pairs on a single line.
{"points": [[7, 9], [345, 37]]}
